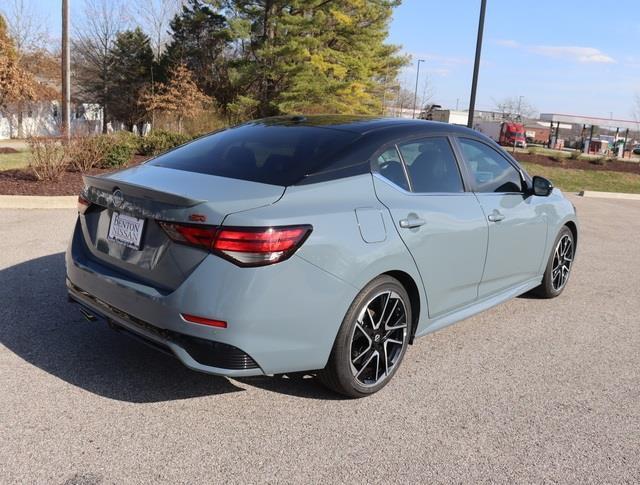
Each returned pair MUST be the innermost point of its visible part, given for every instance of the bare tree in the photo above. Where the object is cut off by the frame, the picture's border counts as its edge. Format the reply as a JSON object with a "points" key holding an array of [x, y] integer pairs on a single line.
{"points": [[635, 111], [404, 100], [515, 108], [92, 58], [154, 17], [428, 92], [26, 28]]}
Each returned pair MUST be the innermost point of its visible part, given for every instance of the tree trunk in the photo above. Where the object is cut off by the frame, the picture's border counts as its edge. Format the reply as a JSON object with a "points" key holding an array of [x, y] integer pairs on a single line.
{"points": [[268, 37], [104, 119], [20, 124]]}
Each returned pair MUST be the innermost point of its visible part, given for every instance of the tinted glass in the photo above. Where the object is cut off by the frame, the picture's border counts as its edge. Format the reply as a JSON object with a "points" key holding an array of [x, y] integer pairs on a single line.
{"points": [[432, 166], [490, 170], [270, 154], [390, 167]]}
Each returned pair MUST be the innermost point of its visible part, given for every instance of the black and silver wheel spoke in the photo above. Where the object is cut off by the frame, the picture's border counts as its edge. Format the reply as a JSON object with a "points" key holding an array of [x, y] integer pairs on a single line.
{"points": [[378, 338], [562, 259]]}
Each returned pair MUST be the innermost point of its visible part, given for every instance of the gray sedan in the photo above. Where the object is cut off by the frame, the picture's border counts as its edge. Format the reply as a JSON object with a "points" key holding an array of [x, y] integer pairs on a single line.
{"points": [[315, 244]]}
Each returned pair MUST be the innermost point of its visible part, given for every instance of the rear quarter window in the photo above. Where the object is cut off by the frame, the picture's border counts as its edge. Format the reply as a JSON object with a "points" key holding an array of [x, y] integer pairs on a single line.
{"points": [[270, 154]]}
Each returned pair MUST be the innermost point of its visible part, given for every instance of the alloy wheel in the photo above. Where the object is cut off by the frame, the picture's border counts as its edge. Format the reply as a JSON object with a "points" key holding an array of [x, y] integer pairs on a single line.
{"points": [[562, 260], [378, 339]]}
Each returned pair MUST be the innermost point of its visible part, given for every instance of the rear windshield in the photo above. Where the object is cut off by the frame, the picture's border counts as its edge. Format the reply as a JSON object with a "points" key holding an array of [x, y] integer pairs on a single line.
{"points": [[270, 154]]}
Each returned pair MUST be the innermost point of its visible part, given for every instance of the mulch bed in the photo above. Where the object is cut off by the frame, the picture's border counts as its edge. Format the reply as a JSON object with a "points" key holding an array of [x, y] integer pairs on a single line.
{"points": [[23, 182], [8, 150], [609, 166]]}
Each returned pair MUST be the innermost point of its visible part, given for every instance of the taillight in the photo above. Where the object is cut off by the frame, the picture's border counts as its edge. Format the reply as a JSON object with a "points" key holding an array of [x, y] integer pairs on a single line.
{"points": [[244, 246], [191, 234], [258, 246], [83, 204]]}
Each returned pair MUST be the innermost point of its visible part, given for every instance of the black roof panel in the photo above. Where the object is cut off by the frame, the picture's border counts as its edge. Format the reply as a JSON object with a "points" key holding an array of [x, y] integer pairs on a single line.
{"points": [[362, 124]]}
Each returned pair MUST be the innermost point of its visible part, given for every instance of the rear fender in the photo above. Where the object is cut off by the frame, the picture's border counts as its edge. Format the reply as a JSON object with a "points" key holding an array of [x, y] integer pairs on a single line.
{"points": [[337, 243]]}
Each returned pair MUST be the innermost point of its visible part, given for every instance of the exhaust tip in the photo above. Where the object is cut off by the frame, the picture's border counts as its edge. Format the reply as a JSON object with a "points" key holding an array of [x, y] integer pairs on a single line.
{"points": [[89, 317]]}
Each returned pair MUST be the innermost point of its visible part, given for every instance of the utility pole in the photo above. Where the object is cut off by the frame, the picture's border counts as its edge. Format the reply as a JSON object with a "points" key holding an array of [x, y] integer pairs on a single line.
{"points": [[476, 65], [66, 72], [415, 94]]}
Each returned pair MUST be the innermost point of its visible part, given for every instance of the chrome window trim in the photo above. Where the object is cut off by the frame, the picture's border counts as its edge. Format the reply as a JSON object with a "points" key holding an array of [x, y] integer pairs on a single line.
{"points": [[423, 194]]}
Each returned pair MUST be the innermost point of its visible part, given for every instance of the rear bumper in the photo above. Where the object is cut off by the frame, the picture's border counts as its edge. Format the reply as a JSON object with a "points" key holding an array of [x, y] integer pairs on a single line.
{"points": [[196, 353], [283, 318]]}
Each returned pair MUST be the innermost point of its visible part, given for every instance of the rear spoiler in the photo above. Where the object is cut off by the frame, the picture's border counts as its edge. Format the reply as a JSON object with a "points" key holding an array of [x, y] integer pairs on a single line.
{"points": [[103, 186]]}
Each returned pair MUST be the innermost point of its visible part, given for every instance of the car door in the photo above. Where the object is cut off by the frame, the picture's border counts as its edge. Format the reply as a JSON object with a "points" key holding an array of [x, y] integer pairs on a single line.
{"points": [[441, 223], [517, 223]]}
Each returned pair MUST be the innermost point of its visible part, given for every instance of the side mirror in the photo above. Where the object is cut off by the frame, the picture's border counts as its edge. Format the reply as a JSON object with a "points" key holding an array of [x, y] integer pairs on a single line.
{"points": [[542, 187]]}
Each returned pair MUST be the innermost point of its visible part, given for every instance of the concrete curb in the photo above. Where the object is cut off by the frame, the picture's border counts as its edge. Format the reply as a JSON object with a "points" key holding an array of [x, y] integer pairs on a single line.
{"points": [[38, 202], [609, 195]]}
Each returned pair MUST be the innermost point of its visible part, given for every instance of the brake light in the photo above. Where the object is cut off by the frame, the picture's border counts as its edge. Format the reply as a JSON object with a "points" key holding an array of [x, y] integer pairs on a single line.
{"points": [[83, 204], [258, 246], [244, 246]]}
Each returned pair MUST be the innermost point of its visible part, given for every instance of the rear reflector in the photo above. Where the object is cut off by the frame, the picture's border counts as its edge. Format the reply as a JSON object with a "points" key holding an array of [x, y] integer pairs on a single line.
{"points": [[203, 321], [83, 204], [244, 246]]}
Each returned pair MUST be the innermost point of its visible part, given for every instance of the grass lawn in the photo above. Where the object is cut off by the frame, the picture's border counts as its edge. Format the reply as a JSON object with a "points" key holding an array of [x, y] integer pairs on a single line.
{"points": [[574, 180], [14, 160]]}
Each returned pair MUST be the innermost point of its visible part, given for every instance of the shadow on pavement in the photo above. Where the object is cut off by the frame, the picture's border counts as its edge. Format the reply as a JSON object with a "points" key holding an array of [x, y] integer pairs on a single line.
{"points": [[39, 325]]}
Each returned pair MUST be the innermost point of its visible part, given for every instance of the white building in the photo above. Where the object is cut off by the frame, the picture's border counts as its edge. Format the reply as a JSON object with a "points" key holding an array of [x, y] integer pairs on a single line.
{"points": [[43, 119]]}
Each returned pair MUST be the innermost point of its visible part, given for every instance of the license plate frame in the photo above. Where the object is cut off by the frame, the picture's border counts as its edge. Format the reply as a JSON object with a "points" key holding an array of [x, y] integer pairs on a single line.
{"points": [[126, 230]]}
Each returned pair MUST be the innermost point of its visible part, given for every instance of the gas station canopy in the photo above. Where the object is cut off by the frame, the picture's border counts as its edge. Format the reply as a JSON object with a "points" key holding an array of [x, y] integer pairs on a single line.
{"points": [[590, 121]]}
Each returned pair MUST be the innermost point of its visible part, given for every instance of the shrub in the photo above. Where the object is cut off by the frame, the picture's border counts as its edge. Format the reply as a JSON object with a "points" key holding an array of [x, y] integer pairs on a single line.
{"points": [[86, 152], [575, 154], [598, 161], [49, 158], [533, 150], [160, 141], [116, 152], [128, 138]]}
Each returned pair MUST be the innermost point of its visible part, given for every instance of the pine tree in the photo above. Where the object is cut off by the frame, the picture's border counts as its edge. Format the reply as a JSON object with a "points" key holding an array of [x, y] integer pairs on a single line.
{"points": [[200, 40], [132, 61], [325, 56]]}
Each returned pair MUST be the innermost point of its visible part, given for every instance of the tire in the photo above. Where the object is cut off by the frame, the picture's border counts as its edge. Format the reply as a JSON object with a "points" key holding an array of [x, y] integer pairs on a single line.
{"points": [[353, 369], [563, 253]]}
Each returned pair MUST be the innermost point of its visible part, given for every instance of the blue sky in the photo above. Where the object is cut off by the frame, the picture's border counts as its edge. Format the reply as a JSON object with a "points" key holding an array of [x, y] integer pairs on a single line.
{"points": [[564, 56]]}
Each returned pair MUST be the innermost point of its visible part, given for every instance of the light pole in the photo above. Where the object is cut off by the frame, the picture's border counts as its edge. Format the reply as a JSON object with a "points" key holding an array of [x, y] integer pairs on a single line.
{"points": [[66, 90], [476, 65], [519, 105], [415, 94]]}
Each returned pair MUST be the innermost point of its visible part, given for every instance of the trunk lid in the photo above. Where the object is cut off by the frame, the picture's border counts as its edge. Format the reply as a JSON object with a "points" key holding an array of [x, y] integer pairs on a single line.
{"points": [[155, 194]]}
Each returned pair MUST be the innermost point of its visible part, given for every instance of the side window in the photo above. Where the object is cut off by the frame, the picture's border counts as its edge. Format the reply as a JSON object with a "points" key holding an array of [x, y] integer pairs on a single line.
{"points": [[390, 167], [432, 165], [490, 170]]}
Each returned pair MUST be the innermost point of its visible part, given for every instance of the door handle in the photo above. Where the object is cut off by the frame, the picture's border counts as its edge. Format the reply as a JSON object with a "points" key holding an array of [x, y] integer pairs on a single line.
{"points": [[495, 217], [412, 223]]}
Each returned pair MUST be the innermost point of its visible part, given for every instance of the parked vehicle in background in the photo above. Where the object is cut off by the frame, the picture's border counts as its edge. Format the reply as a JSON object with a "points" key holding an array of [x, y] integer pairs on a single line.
{"points": [[636, 149], [323, 244], [506, 133]]}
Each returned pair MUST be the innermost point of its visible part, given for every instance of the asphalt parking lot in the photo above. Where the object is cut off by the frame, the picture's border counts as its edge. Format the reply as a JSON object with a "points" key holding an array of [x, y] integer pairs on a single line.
{"points": [[530, 391]]}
